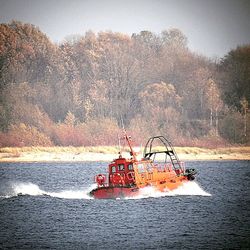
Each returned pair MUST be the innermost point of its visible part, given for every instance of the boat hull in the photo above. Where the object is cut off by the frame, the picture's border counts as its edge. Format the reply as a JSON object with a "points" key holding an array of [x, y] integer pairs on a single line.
{"points": [[108, 192], [114, 192]]}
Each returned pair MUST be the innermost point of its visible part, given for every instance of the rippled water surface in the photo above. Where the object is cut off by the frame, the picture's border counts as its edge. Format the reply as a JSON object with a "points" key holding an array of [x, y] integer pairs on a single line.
{"points": [[55, 211]]}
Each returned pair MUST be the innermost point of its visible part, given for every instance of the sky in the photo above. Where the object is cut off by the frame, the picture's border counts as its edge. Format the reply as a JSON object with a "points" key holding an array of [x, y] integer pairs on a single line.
{"points": [[213, 27]]}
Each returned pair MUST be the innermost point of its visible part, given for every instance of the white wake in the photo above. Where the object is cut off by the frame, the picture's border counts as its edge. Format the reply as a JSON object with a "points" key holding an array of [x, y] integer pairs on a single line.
{"points": [[189, 188], [28, 188]]}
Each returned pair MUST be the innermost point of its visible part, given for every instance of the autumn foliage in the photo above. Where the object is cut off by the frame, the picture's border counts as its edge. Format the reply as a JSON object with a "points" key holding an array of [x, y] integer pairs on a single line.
{"points": [[24, 135], [83, 91]]}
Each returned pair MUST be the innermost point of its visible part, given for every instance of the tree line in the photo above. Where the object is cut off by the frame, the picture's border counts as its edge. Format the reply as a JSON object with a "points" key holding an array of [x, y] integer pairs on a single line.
{"points": [[83, 90]]}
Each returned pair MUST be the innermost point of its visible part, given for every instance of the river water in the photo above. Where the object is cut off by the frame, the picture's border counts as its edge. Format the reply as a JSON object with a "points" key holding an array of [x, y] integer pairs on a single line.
{"points": [[55, 211]]}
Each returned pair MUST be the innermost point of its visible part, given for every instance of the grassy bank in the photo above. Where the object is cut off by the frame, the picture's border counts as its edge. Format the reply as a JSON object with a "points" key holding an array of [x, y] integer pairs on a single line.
{"points": [[95, 149], [107, 153]]}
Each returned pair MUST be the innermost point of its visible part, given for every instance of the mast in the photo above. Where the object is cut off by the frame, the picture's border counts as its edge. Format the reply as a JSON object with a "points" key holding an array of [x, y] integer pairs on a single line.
{"points": [[128, 139]]}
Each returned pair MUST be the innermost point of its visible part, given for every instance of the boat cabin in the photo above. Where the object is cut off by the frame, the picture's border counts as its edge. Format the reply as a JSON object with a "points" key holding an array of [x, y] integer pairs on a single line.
{"points": [[120, 173]]}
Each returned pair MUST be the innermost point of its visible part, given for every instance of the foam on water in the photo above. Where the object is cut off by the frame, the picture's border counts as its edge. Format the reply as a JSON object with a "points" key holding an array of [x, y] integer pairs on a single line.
{"points": [[32, 189], [188, 188], [73, 194], [28, 188]]}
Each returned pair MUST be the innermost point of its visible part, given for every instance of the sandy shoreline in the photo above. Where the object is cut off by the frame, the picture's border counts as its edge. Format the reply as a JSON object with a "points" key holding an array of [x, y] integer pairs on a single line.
{"points": [[184, 155]]}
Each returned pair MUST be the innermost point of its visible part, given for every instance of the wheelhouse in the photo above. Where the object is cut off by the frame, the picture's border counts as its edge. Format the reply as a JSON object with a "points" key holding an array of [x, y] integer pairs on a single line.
{"points": [[121, 172]]}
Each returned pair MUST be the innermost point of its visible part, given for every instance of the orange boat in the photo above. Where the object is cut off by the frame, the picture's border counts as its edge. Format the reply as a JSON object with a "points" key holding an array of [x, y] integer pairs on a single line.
{"points": [[127, 176]]}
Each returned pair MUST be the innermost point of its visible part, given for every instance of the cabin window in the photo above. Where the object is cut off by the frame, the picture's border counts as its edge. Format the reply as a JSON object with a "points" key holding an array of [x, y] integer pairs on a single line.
{"points": [[121, 167], [140, 168], [130, 167], [113, 169]]}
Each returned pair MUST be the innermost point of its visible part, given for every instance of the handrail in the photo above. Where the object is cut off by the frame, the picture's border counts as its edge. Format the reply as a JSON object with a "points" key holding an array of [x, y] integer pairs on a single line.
{"points": [[149, 152]]}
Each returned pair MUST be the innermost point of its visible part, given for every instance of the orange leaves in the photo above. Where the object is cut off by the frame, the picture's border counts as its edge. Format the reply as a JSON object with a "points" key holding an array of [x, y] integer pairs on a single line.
{"points": [[67, 135], [96, 132], [160, 95], [103, 131], [23, 135], [76, 92]]}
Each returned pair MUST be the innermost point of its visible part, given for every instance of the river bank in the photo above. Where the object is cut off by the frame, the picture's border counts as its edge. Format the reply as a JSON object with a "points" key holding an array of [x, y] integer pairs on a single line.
{"points": [[84, 154]]}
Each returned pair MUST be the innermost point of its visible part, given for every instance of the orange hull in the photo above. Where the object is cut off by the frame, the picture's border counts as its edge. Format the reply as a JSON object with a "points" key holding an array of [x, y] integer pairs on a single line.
{"points": [[114, 192], [109, 192], [170, 185]]}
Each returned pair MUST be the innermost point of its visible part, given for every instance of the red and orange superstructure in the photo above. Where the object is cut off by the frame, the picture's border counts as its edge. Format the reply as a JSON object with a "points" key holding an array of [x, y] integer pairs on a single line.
{"points": [[127, 176]]}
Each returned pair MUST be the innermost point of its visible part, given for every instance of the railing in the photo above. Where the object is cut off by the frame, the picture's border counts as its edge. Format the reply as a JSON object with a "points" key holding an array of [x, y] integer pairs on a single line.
{"points": [[148, 173]]}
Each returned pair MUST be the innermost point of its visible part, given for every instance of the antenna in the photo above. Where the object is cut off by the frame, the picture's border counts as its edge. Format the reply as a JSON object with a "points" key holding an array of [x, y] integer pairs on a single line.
{"points": [[122, 123], [128, 139], [119, 143]]}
